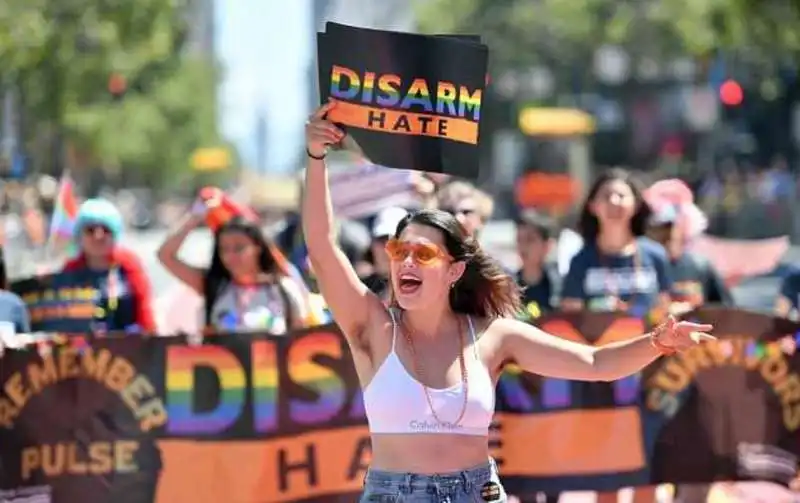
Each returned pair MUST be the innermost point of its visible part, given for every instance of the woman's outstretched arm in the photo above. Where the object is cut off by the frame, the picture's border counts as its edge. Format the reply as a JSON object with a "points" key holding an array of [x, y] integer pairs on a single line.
{"points": [[541, 353], [349, 300]]}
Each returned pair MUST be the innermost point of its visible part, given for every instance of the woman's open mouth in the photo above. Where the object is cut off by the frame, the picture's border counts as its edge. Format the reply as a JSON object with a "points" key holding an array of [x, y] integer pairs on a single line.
{"points": [[409, 284]]}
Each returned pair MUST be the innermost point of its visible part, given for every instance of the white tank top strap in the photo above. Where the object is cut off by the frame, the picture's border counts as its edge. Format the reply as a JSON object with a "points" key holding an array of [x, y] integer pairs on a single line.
{"points": [[394, 326], [474, 336]]}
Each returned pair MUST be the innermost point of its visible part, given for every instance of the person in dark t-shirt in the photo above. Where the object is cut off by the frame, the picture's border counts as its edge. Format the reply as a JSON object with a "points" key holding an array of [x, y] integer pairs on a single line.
{"points": [[120, 291], [538, 279], [618, 269], [471, 206], [633, 280]]}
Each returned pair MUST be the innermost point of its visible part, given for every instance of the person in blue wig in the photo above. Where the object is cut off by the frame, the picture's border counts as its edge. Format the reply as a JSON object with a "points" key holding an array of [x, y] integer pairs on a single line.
{"points": [[121, 298]]}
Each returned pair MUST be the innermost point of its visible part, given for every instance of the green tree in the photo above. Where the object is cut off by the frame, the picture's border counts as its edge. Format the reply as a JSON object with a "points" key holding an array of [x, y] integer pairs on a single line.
{"points": [[61, 54], [524, 32]]}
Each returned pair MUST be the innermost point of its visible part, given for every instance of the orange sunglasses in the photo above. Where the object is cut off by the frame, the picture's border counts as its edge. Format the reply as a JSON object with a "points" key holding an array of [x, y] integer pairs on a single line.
{"points": [[423, 254]]}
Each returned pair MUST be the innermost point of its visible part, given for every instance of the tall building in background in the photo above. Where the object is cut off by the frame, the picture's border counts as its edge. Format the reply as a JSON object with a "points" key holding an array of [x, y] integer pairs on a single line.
{"points": [[260, 140], [395, 15], [201, 37], [202, 31], [264, 49], [319, 10]]}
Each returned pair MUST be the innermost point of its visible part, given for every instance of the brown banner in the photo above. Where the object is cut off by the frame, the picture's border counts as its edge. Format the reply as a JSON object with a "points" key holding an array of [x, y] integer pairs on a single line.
{"points": [[255, 418]]}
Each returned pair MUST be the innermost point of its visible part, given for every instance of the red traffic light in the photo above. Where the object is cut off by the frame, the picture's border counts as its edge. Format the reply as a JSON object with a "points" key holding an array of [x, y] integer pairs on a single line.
{"points": [[117, 84], [731, 94]]}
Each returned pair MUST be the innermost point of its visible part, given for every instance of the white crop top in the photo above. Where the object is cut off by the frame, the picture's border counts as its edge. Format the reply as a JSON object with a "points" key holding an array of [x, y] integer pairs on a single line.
{"points": [[395, 401]]}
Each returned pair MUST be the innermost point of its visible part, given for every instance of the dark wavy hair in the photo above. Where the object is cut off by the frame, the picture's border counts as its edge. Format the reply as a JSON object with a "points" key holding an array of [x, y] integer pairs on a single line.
{"points": [[485, 289], [217, 277], [589, 225]]}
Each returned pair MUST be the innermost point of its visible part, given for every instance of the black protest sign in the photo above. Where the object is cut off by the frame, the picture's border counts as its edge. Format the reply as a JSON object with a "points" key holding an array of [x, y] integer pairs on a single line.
{"points": [[406, 101], [63, 302]]}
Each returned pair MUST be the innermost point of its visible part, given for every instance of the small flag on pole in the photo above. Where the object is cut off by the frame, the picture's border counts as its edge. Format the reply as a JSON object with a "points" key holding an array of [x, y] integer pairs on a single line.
{"points": [[65, 213]]}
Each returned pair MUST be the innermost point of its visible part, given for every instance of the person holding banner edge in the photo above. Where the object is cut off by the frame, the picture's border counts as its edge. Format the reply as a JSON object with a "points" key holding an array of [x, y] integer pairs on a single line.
{"points": [[429, 364]]}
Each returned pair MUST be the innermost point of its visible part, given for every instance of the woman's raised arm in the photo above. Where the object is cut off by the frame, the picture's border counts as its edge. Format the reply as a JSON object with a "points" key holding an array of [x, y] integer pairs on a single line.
{"points": [[349, 300], [168, 253]]}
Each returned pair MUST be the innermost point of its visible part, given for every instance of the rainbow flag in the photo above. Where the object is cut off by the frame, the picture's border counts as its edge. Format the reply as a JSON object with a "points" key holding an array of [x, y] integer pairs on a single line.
{"points": [[65, 212]]}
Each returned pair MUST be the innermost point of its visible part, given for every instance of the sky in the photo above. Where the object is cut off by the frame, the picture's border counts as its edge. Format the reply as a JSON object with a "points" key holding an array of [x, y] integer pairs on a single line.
{"points": [[265, 48]]}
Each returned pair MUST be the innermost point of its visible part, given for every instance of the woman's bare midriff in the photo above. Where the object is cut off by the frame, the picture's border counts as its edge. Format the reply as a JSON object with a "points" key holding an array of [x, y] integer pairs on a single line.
{"points": [[428, 453]]}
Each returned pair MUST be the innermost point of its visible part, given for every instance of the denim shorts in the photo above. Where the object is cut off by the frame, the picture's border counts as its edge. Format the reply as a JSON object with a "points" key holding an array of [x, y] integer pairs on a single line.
{"points": [[476, 485]]}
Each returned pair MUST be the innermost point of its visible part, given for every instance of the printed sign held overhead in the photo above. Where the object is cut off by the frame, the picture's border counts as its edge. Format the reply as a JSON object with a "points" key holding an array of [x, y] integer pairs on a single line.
{"points": [[406, 101]]}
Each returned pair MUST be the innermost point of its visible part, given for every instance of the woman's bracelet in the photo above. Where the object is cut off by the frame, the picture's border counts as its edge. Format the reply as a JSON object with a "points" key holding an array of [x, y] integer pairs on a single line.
{"points": [[316, 158], [660, 347]]}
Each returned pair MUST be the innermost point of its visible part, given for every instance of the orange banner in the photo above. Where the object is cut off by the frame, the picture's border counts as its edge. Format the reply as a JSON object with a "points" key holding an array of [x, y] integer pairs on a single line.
{"points": [[282, 470], [407, 123], [548, 191], [564, 444]]}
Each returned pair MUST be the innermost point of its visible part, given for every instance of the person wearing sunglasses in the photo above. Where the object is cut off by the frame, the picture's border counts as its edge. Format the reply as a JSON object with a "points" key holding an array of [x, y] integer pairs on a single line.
{"points": [[471, 206], [429, 363], [123, 295]]}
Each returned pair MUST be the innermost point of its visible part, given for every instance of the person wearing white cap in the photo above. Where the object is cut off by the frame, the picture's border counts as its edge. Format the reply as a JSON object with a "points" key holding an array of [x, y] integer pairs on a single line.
{"points": [[383, 227], [385, 224]]}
